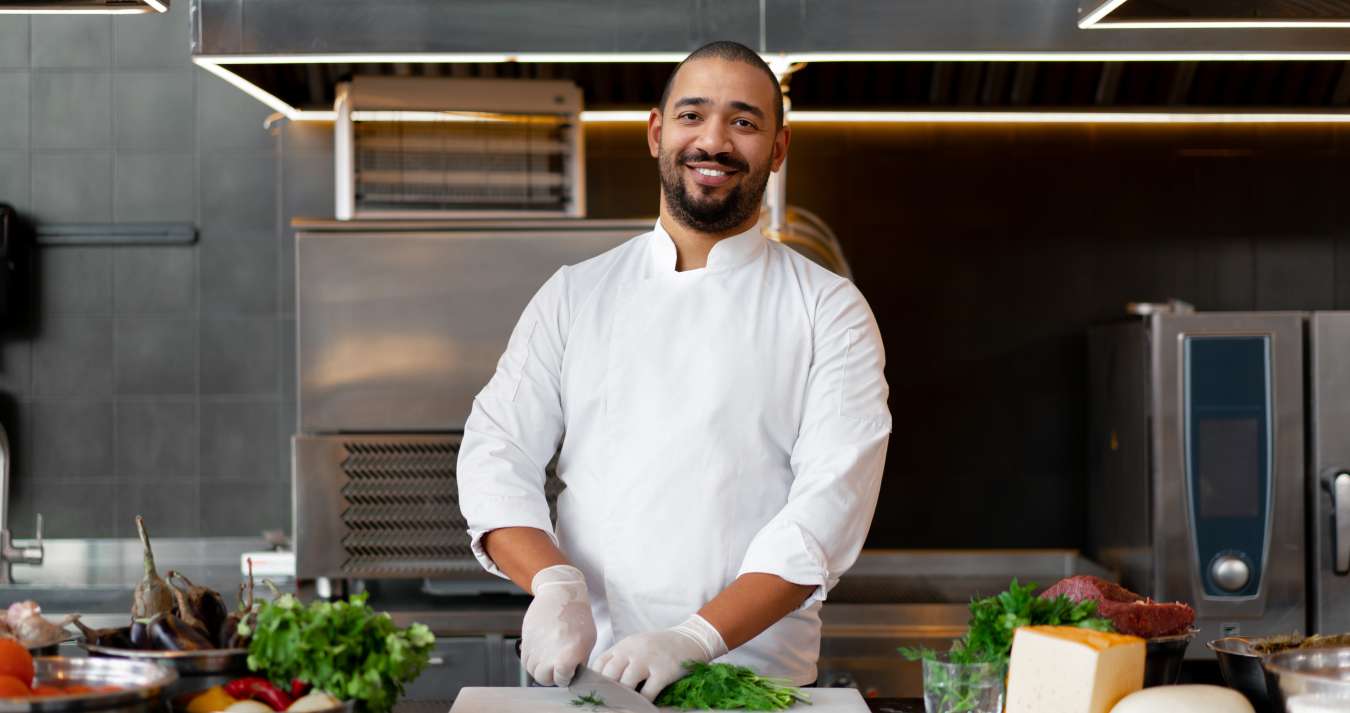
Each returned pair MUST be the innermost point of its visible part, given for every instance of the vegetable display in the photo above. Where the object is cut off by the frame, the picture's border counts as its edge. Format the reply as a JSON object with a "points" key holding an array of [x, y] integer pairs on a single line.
{"points": [[344, 648], [725, 686], [989, 638]]}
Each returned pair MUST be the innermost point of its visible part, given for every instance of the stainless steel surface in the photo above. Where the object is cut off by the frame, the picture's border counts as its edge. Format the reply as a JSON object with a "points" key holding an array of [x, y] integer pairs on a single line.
{"points": [[398, 331], [1140, 506], [587, 681], [186, 663], [1321, 672], [954, 576], [140, 683], [1230, 572], [229, 27], [1329, 523], [1241, 669], [12, 553], [1340, 518]]}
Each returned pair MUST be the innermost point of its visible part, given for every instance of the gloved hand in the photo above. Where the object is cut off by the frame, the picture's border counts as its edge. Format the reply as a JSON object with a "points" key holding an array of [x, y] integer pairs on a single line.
{"points": [[658, 656], [558, 631]]}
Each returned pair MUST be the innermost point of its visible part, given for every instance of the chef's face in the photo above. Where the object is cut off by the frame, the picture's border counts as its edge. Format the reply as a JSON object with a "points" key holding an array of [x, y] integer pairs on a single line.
{"points": [[716, 142]]}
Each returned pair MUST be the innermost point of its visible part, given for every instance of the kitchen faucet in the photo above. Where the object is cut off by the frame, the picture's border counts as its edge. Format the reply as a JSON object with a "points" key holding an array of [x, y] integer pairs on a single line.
{"points": [[10, 551]]}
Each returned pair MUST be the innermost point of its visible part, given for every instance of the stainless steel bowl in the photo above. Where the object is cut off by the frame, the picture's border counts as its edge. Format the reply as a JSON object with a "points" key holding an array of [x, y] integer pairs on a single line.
{"points": [[1163, 657], [141, 685], [186, 663], [1324, 673], [1240, 665]]}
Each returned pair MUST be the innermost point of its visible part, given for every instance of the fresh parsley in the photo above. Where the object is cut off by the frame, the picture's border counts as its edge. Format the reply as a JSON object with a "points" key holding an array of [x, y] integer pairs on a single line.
{"points": [[989, 639], [724, 686], [590, 699], [343, 648]]}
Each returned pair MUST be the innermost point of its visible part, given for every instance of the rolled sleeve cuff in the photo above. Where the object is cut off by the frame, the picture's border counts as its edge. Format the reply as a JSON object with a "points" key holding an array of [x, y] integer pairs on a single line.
{"points": [[788, 551], [506, 512]]}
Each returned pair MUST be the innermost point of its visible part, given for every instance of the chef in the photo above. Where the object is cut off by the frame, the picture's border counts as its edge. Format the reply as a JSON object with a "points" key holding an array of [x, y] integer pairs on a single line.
{"points": [[721, 411]]}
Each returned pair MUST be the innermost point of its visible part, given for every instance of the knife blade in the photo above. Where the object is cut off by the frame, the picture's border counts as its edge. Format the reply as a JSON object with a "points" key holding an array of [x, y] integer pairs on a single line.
{"points": [[589, 682]]}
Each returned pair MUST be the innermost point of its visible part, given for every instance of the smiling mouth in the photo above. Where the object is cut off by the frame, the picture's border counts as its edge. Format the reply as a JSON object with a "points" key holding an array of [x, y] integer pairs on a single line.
{"points": [[707, 176]]}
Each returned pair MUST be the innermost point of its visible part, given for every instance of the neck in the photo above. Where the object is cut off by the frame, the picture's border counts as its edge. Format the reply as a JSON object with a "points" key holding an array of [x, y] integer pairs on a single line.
{"points": [[693, 246]]}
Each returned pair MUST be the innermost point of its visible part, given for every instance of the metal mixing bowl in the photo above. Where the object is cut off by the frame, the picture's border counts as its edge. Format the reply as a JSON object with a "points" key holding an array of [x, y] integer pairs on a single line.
{"points": [[1321, 672], [140, 685]]}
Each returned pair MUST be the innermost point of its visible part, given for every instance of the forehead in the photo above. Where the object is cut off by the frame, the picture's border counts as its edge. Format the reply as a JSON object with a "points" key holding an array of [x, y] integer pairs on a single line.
{"points": [[723, 81]]}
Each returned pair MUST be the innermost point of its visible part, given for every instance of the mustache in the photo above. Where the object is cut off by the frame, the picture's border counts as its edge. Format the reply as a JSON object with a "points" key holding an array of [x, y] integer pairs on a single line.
{"points": [[722, 159]]}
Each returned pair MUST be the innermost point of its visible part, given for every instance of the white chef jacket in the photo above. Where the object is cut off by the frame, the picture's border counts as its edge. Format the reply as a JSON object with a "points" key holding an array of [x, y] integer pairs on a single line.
{"points": [[718, 421]]}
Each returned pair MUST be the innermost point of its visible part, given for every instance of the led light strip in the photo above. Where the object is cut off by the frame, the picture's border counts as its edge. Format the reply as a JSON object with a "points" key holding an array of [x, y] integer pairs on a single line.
{"points": [[84, 11], [867, 117]]}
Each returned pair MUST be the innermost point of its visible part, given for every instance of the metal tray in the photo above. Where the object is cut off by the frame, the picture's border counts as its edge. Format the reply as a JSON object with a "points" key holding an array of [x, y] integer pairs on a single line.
{"points": [[186, 663], [141, 682]]}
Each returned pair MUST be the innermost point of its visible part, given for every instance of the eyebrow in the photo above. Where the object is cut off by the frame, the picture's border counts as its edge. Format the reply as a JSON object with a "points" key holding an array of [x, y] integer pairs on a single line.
{"points": [[737, 105]]}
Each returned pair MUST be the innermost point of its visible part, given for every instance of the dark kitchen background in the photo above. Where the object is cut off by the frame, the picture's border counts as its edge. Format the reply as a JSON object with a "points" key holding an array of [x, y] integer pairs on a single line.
{"points": [[160, 379]]}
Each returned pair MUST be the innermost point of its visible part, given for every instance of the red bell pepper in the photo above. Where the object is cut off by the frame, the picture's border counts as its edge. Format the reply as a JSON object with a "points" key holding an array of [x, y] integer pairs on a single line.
{"points": [[260, 689]]}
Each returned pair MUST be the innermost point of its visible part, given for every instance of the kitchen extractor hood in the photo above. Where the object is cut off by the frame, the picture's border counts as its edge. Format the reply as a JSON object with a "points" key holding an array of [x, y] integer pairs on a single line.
{"points": [[104, 7], [1217, 14], [923, 59]]}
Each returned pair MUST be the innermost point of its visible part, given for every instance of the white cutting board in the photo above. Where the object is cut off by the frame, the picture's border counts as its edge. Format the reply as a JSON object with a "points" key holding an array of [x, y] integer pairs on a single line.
{"points": [[555, 700]]}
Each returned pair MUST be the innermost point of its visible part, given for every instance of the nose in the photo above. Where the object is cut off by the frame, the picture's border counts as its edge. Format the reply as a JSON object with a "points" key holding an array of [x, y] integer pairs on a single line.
{"points": [[714, 138]]}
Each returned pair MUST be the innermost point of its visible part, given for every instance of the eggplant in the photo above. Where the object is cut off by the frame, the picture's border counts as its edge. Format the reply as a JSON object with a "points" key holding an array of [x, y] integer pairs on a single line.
{"points": [[229, 637], [153, 595], [202, 607], [116, 638], [139, 634], [167, 632]]}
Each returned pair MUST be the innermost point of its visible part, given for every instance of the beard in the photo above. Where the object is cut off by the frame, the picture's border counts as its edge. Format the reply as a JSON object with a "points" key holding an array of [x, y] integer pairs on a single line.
{"points": [[699, 210]]}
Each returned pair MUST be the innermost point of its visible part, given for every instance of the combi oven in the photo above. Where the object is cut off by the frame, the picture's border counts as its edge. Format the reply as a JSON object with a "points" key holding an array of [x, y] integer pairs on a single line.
{"points": [[1220, 465]]}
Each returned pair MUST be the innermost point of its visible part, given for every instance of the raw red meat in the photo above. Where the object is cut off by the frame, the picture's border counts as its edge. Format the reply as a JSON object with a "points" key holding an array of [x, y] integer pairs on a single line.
{"points": [[1129, 612]]}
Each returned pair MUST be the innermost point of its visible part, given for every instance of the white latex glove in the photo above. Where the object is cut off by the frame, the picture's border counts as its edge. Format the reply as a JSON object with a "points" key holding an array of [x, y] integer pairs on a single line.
{"points": [[558, 631], [658, 657]]}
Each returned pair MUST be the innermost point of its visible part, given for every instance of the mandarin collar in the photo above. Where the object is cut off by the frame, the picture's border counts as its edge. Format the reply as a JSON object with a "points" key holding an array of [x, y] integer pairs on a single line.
{"points": [[727, 253]]}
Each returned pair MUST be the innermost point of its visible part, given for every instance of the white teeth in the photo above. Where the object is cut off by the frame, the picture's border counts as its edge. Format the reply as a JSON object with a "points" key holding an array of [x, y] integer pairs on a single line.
{"points": [[710, 172]]}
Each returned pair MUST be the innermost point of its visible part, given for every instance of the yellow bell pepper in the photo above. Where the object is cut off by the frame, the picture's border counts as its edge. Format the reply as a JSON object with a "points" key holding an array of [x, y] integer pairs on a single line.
{"points": [[211, 700]]}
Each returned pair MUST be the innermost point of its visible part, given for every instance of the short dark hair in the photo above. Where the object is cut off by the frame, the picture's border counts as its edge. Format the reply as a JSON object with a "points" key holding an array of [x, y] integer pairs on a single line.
{"points": [[731, 52]]}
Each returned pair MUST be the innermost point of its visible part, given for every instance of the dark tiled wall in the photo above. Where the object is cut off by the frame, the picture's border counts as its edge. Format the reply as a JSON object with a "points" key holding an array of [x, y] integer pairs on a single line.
{"points": [[152, 378], [986, 252]]}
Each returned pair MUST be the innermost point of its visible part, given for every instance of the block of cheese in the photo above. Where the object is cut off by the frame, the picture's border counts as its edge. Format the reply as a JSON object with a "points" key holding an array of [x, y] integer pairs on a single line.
{"points": [[1184, 699], [1066, 669]]}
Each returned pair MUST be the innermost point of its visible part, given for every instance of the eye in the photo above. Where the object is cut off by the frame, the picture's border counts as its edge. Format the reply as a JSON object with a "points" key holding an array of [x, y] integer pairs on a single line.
{"points": [[687, 116], [745, 124]]}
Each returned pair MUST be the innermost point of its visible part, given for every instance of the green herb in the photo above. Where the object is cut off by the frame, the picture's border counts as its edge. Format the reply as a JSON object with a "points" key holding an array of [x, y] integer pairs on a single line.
{"points": [[590, 699], [725, 686], [989, 639], [344, 648]]}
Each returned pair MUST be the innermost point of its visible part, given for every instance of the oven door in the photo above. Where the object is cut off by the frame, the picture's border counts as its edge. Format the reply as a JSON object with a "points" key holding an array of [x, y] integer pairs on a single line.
{"points": [[1329, 491]]}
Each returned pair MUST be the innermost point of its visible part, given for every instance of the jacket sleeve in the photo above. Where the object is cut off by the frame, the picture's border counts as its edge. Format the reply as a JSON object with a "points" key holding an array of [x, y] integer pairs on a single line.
{"points": [[515, 426], [839, 453]]}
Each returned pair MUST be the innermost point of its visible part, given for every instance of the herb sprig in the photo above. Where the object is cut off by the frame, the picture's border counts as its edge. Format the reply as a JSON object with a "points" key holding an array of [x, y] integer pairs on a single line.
{"points": [[989, 638], [344, 648], [590, 699], [725, 686]]}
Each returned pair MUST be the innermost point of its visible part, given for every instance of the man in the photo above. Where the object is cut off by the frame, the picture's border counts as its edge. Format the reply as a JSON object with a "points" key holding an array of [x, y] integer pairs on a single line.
{"points": [[725, 417]]}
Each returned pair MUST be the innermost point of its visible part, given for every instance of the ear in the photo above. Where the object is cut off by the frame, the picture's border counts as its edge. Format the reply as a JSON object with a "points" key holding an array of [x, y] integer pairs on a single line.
{"points": [[780, 146], [654, 132]]}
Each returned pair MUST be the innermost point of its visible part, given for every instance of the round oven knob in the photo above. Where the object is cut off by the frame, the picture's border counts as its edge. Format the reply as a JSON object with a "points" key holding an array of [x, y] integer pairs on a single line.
{"points": [[1230, 572]]}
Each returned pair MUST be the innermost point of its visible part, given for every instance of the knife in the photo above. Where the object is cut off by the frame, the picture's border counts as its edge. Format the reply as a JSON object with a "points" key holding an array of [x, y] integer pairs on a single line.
{"points": [[589, 682]]}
